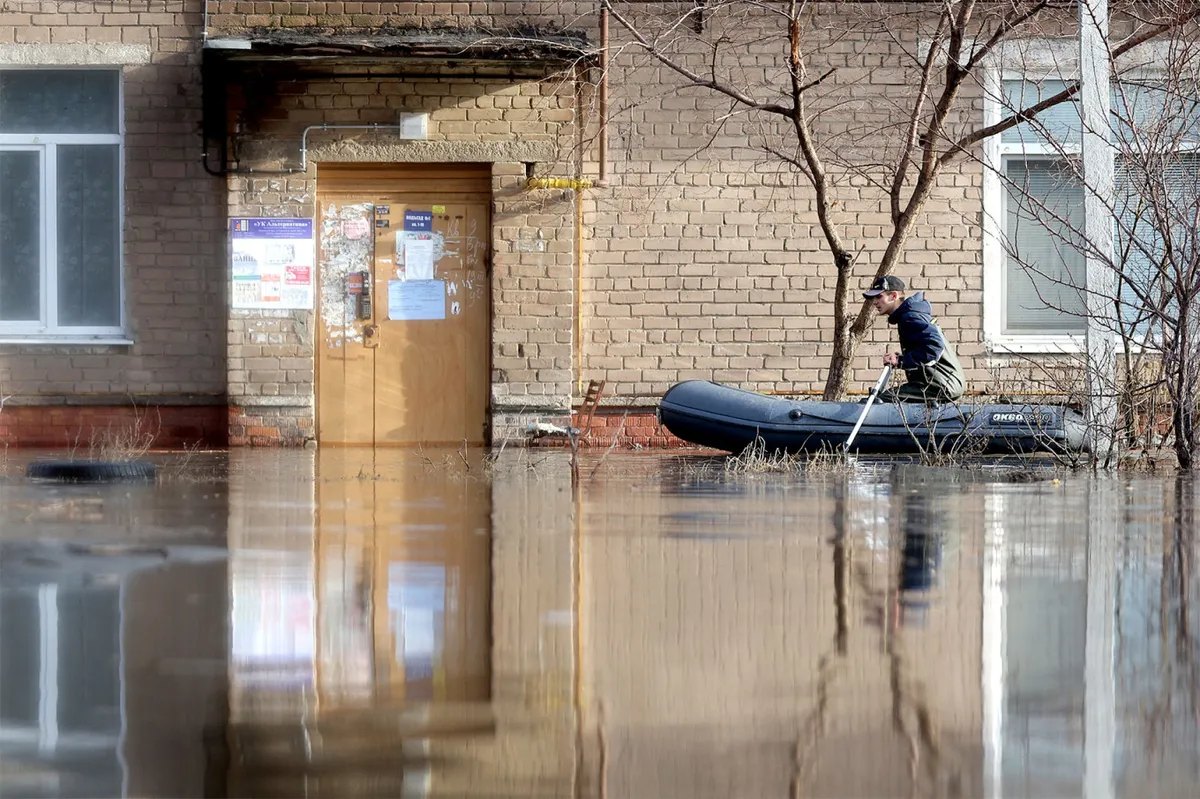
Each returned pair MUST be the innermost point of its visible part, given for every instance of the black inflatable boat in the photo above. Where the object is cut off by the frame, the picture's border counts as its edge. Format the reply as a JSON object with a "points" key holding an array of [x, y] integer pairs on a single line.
{"points": [[729, 419]]}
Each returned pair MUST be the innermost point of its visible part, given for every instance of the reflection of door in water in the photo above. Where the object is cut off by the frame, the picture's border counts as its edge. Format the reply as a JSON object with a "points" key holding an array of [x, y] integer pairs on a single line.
{"points": [[405, 311], [395, 541], [404, 587]]}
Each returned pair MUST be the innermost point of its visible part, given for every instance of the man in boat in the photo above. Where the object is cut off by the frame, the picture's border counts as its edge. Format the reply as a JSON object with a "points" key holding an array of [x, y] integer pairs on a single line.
{"points": [[933, 371]]}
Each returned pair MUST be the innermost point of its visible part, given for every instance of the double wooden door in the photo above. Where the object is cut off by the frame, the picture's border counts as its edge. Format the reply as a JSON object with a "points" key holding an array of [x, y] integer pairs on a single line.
{"points": [[404, 331]]}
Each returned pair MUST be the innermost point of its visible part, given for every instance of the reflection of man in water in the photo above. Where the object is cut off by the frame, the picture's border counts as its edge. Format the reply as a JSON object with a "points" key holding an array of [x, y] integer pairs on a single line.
{"points": [[920, 559]]}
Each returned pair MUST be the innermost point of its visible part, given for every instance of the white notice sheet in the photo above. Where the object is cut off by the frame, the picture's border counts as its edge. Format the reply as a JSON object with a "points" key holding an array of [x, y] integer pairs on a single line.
{"points": [[416, 299], [418, 256]]}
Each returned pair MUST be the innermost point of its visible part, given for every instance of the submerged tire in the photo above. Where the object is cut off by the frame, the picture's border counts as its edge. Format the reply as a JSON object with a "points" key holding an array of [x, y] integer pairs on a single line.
{"points": [[92, 471]]}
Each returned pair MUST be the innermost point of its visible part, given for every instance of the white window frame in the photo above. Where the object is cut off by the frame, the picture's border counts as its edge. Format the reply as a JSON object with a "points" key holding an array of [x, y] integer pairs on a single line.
{"points": [[1038, 59], [46, 329], [995, 154]]}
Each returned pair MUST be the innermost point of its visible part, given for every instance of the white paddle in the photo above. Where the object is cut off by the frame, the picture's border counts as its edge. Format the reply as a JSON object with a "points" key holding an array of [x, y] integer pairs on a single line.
{"points": [[879, 386]]}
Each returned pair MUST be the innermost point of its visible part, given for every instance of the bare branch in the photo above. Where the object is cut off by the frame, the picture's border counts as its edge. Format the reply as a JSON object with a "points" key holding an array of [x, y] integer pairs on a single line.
{"points": [[1007, 25], [815, 170], [696, 80], [1024, 115], [910, 139]]}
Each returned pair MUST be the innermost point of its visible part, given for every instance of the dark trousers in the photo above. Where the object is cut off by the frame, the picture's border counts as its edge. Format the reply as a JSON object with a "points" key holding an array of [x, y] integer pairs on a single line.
{"points": [[915, 392]]}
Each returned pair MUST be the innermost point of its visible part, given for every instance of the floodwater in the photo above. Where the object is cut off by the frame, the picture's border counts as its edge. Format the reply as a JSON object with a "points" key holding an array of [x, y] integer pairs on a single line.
{"points": [[353, 623]]}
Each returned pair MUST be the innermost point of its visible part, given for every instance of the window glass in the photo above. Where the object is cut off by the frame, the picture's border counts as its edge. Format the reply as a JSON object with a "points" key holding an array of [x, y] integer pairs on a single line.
{"points": [[60, 202], [1156, 198], [1060, 123], [20, 235], [88, 235], [1158, 211], [1134, 106], [1165, 112], [1044, 266], [59, 101]]}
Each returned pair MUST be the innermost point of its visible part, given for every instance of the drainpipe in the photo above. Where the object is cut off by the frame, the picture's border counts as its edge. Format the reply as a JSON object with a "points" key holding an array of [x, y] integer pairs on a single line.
{"points": [[578, 332], [581, 122], [602, 178], [578, 185]]}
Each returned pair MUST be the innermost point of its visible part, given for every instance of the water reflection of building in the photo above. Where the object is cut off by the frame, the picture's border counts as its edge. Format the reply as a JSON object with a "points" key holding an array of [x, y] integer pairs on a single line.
{"points": [[113, 667], [456, 637], [448, 636], [747, 643], [365, 635], [1090, 669], [923, 531]]}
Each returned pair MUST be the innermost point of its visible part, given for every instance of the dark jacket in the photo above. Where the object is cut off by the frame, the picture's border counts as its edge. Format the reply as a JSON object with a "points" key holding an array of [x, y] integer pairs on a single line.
{"points": [[926, 357]]}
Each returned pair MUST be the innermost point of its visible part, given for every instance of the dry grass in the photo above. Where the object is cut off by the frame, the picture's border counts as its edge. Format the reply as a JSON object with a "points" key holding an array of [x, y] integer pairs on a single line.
{"points": [[954, 450], [756, 459], [119, 444]]}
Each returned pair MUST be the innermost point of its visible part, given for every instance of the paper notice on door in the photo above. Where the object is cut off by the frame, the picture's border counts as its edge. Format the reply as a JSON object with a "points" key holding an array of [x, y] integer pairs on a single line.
{"points": [[411, 300], [418, 255]]}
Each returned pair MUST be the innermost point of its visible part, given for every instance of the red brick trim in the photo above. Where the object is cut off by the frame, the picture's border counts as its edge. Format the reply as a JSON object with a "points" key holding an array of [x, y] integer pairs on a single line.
{"points": [[269, 427], [154, 426]]}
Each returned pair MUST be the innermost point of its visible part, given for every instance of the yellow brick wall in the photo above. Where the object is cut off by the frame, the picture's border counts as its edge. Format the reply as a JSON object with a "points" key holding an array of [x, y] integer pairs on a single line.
{"points": [[175, 272], [702, 258]]}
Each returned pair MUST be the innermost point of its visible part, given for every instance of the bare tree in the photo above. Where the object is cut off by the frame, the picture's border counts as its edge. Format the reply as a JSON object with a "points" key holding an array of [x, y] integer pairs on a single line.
{"points": [[783, 66]]}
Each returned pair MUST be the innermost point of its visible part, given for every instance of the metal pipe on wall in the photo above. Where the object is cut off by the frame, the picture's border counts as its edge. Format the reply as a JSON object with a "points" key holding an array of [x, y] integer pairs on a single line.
{"points": [[602, 178], [578, 331], [581, 120]]}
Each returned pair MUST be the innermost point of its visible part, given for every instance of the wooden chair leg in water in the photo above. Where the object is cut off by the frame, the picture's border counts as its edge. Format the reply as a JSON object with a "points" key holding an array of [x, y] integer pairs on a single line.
{"points": [[591, 399]]}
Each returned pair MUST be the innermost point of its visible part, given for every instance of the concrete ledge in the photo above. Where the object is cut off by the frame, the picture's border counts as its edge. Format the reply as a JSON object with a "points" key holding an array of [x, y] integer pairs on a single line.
{"points": [[249, 403], [530, 405], [377, 147], [98, 54]]}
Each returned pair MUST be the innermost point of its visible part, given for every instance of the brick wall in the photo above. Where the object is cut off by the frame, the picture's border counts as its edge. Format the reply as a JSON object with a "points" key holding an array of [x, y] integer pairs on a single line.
{"points": [[271, 353], [702, 258], [241, 15], [91, 429], [713, 266], [173, 229]]}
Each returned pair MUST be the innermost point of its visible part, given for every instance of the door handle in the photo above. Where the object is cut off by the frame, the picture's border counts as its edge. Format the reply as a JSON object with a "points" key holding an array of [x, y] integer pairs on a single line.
{"points": [[371, 335]]}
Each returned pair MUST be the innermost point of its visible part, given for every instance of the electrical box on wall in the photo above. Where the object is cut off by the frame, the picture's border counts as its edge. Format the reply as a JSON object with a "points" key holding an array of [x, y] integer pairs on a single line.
{"points": [[414, 125]]}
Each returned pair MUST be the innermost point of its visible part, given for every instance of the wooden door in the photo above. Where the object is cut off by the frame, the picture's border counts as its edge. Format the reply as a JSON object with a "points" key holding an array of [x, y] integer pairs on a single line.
{"points": [[425, 339], [345, 360]]}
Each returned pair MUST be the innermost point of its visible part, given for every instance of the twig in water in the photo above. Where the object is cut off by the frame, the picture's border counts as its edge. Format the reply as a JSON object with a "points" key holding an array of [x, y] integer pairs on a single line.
{"points": [[616, 438]]}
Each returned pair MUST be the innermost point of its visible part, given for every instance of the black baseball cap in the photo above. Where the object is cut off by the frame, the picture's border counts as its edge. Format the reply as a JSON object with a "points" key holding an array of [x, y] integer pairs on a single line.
{"points": [[885, 283]]}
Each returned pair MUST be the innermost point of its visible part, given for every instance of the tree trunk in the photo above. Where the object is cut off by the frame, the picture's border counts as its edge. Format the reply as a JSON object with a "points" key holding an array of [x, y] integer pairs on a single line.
{"points": [[847, 334], [1183, 435], [1184, 420], [843, 343]]}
